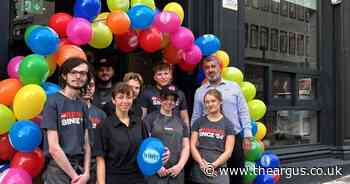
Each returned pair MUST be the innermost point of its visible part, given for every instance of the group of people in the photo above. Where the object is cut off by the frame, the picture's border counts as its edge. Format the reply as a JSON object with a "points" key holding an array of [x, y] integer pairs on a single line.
{"points": [[93, 129]]}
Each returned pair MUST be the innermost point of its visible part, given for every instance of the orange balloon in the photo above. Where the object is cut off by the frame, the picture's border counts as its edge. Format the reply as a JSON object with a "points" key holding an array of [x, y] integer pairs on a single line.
{"points": [[8, 90], [68, 51], [118, 22], [172, 55], [165, 40]]}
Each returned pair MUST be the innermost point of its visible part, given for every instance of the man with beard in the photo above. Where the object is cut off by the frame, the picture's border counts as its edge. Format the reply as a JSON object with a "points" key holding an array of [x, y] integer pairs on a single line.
{"points": [[234, 108], [104, 82], [65, 123]]}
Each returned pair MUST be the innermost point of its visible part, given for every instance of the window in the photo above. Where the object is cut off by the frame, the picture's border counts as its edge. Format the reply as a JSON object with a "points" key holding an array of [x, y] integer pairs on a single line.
{"points": [[300, 13], [255, 4], [264, 5], [284, 8], [274, 40], [256, 75], [246, 35], [275, 6], [292, 10], [283, 42], [292, 43], [300, 44], [254, 36], [307, 14], [282, 85], [247, 2], [306, 88], [307, 46], [264, 38]]}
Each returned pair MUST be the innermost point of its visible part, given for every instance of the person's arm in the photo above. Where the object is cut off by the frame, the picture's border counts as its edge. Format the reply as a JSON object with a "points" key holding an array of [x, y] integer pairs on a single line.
{"points": [[197, 107], [101, 170], [87, 157], [144, 112], [185, 153], [229, 145], [194, 151], [244, 115], [184, 117]]}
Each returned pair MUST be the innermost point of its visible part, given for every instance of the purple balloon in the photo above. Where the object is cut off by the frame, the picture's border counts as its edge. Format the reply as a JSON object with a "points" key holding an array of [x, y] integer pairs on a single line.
{"points": [[182, 38], [79, 31], [13, 67], [194, 55], [167, 22], [16, 176]]}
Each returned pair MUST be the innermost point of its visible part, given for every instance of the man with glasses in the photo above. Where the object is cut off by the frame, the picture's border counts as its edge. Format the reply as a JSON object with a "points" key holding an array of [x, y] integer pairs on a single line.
{"points": [[65, 123]]}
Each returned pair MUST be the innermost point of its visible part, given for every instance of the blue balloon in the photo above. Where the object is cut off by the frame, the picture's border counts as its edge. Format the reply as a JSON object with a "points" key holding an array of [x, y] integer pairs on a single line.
{"points": [[50, 88], [268, 160], [25, 136], [141, 16], [200, 76], [149, 157], [264, 179], [254, 129], [87, 9], [43, 40], [208, 44]]}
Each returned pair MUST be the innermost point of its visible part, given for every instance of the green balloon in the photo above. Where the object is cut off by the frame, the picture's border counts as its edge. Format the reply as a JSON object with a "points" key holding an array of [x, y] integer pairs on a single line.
{"points": [[114, 5], [33, 69], [250, 174], [232, 74], [102, 36], [28, 31], [257, 109], [249, 90], [255, 152], [7, 119], [149, 3]]}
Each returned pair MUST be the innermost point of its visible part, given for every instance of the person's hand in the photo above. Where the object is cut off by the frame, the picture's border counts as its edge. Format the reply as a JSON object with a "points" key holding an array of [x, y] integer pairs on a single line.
{"points": [[166, 155], [247, 143], [75, 178], [82, 179], [162, 172], [174, 170]]}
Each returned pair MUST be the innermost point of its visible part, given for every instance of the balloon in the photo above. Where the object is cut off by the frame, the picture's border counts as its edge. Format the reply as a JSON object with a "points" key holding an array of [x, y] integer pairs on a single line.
{"points": [[119, 22], [32, 162], [223, 58], [173, 55], [269, 160], [29, 102], [248, 90], [102, 17], [7, 119], [33, 69], [232, 74], [255, 151], [165, 40], [260, 134], [264, 179], [176, 8], [59, 22], [148, 3], [150, 39], [38, 120], [43, 40], [208, 44], [25, 136], [51, 62], [87, 9], [8, 90], [6, 150], [182, 38], [79, 31], [114, 5], [13, 67], [200, 76], [186, 67], [127, 42], [257, 109], [254, 127], [102, 36], [69, 51], [149, 157], [167, 22], [193, 56], [50, 88], [16, 176], [250, 174], [28, 31], [276, 177], [141, 16]]}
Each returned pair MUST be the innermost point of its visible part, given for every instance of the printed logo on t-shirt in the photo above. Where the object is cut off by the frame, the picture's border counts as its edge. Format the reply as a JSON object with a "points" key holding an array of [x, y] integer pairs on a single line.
{"points": [[95, 121], [71, 118], [212, 133]]}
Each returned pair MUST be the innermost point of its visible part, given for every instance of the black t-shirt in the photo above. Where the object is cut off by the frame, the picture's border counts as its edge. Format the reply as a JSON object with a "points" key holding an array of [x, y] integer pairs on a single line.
{"points": [[96, 116], [70, 119], [102, 96], [119, 144], [109, 108], [150, 99]]}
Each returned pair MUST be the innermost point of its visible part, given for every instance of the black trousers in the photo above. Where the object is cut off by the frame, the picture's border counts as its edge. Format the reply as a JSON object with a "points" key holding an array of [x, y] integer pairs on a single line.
{"points": [[236, 160]]}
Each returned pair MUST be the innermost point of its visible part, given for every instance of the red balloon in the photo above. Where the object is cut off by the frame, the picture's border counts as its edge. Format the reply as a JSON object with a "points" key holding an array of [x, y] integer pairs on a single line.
{"points": [[59, 22], [150, 39], [6, 150], [127, 42], [187, 67], [32, 162], [173, 55], [276, 177]]}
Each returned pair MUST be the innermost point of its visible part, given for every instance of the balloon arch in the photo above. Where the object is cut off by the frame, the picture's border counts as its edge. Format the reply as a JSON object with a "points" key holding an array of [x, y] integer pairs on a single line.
{"points": [[132, 24]]}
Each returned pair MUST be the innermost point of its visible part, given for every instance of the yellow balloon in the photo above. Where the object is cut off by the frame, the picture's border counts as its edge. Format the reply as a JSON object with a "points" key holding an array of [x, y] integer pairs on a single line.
{"points": [[248, 90], [114, 5], [7, 119], [176, 8], [102, 17], [260, 134], [102, 36], [233, 74], [149, 3], [52, 64], [257, 109], [29, 102], [223, 57]]}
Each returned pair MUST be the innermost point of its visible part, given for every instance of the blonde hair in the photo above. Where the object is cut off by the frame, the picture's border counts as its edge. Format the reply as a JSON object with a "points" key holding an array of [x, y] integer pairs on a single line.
{"points": [[133, 76]]}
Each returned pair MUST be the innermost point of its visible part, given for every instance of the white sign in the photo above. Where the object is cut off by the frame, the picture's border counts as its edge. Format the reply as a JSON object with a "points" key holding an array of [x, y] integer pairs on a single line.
{"points": [[230, 4]]}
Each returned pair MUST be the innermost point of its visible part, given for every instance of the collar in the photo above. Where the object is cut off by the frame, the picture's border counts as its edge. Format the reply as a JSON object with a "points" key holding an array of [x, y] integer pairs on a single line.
{"points": [[222, 82], [116, 121]]}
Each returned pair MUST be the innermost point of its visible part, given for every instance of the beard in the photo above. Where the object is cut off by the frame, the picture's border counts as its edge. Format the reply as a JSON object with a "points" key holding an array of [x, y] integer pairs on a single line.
{"points": [[214, 78], [74, 87], [103, 82]]}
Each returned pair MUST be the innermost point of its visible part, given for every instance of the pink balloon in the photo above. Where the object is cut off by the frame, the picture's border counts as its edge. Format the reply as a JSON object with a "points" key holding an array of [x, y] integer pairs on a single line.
{"points": [[167, 22], [194, 55], [182, 38], [16, 176], [79, 31], [13, 67]]}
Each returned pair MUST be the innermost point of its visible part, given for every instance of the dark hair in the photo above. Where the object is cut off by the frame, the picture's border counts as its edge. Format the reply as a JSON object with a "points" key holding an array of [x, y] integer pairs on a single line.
{"points": [[216, 93], [210, 59], [122, 87], [161, 67], [67, 67], [133, 76], [168, 91]]}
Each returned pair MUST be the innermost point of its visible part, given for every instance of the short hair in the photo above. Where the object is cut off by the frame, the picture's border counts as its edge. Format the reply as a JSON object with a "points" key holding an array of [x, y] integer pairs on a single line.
{"points": [[210, 59], [161, 67], [133, 76], [122, 87]]}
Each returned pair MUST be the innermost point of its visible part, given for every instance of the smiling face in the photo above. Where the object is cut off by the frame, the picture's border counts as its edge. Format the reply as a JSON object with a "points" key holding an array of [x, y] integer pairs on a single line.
{"points": [[163, 77], [168, 103], [136, 86], [123, 101], [212, 70], [105, 73]]}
